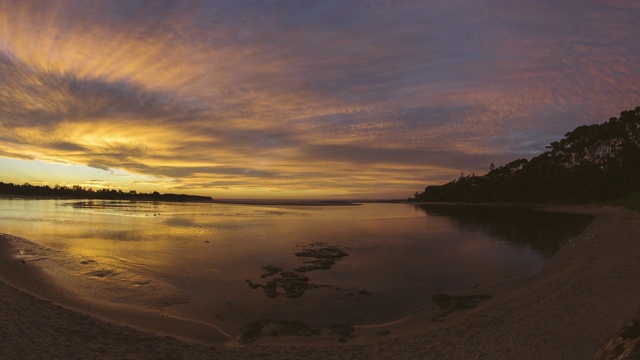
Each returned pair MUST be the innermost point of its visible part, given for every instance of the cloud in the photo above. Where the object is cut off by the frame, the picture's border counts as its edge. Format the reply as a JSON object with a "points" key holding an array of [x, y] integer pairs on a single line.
{"points": [[14, 155], [331, 97], [37, 97]]}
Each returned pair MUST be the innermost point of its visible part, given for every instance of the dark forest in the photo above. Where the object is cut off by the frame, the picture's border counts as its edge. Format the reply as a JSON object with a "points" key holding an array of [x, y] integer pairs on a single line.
{"points": [[591, 163]]}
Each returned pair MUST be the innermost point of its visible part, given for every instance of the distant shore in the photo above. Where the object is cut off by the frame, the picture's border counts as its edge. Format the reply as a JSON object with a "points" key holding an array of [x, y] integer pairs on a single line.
{"points": [[289, 202], [188, 198], [202, 199], [176, 198], [581, 298]]}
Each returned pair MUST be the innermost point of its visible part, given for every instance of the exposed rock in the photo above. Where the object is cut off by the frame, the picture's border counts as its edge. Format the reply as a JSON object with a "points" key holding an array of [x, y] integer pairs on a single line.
{"points": [[294, 285], [270, 270], [318, 264], [625, 345], [324, 257], [327, 252]]}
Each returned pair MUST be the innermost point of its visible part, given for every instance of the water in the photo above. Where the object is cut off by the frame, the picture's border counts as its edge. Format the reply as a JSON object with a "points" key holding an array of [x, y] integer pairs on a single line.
{"points": [[198, 260]]}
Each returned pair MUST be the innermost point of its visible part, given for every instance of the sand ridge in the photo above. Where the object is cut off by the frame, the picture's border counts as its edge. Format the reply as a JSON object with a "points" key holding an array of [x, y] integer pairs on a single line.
{"points": [[583, 296]]}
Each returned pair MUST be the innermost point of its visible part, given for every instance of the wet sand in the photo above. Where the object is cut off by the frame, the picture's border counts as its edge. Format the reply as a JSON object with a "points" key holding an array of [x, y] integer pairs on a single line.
{"points": [[582, 297]]}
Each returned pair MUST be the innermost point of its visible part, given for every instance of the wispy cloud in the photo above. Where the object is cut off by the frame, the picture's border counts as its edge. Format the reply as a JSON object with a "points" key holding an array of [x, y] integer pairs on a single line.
{"points": [[348, 98]]}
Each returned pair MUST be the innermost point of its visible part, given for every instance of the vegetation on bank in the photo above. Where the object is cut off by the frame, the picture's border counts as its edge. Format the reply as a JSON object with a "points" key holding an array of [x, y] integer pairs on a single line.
{"points": [[599, 162], [78, 192], [631, 201]]}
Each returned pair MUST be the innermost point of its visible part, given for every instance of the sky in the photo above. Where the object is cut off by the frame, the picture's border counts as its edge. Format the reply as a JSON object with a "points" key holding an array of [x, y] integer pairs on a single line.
{"points": [[301, 99]]}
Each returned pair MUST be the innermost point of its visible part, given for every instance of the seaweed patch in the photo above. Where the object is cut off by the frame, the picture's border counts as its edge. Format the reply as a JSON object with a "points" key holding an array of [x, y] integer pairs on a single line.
{"points": [[293, 283]]}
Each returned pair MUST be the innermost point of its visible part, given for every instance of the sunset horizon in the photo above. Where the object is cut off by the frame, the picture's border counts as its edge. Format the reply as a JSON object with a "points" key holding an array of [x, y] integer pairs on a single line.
{"points": [[313, 100]]}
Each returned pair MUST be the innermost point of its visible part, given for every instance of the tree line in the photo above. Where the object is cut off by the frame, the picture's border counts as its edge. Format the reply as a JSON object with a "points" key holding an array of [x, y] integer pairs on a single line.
{"points": [[591, 163], [78, 192]]}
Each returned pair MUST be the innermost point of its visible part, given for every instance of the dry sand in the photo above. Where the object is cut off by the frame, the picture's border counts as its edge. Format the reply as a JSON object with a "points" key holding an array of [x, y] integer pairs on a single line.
{"points": [[567, 311]]}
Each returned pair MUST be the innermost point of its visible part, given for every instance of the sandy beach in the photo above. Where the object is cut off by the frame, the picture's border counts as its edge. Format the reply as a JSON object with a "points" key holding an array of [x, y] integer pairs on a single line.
{"points": [[580, 299]]}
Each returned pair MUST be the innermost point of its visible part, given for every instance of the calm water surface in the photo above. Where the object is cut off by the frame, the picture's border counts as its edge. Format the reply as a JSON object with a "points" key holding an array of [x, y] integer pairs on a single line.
{"points": [[194, 260]]}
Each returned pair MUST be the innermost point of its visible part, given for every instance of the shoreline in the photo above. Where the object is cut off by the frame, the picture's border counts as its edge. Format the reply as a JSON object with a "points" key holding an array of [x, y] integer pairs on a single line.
{"points": [[33, 280], [583, 295]]}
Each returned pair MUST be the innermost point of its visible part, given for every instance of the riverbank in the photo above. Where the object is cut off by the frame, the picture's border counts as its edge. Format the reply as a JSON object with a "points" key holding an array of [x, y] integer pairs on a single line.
{"points": [[577, 302]]}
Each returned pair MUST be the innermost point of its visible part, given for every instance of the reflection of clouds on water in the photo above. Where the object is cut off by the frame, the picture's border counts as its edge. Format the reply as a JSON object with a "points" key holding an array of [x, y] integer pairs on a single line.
{"points": [[122, 281], [101, 277], [203, 253]]}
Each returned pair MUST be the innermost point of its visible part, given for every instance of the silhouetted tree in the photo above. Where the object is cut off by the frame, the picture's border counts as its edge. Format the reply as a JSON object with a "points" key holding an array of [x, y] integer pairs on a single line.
{"points": [[592, 162]]}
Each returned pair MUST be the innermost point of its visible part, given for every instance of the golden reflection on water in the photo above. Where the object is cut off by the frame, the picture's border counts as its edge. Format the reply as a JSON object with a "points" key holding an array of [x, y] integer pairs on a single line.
{"points": [[194, 260]]}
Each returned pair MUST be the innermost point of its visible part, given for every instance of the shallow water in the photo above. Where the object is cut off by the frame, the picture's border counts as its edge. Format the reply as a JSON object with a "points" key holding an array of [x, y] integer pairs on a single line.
{"points": [[199, 260]]}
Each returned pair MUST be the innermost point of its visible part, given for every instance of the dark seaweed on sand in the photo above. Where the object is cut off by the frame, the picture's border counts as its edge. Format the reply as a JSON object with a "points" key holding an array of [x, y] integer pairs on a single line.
{"points": [[292, 284]]}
